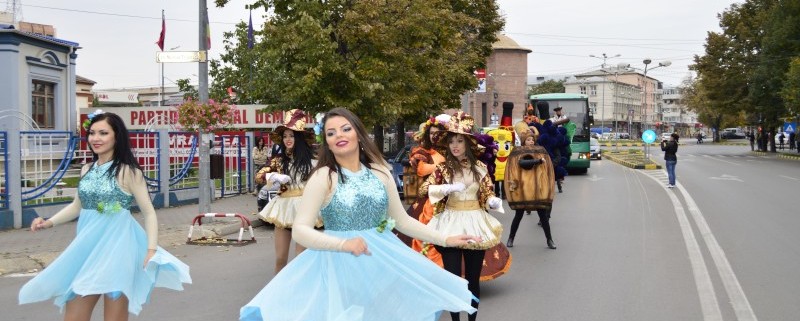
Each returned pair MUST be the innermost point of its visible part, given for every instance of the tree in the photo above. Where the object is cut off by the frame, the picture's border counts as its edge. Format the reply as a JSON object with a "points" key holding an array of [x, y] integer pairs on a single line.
{"points": [[791, 87], [546, 87], [385, 60], [189, 91]]}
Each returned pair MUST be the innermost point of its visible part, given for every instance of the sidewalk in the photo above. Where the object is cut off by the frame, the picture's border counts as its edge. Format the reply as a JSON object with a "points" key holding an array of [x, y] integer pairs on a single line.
{"points": [[22, 251]]}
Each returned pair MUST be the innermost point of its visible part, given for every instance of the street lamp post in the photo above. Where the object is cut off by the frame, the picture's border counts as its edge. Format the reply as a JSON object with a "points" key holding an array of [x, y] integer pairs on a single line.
{"points": [[646, 63], [603, 101]]}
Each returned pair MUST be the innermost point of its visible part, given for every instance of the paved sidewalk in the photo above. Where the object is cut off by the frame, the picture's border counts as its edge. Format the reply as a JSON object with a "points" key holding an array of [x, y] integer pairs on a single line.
{"points": [[22, 251]]}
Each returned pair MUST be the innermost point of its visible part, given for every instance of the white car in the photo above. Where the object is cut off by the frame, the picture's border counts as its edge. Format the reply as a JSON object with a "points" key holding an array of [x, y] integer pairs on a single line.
{"points": [[785, 139], [594, 149], [665, 136]]}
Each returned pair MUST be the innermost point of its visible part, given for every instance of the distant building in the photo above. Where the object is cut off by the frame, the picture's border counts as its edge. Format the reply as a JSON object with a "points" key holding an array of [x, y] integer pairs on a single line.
{"points": [[139, 96], [616, 98], [38, 80], [83, 92], [676, 115]]}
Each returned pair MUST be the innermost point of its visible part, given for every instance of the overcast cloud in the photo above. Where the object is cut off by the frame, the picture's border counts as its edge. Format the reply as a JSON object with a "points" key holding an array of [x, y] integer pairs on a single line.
{"points": [[118, 37]]}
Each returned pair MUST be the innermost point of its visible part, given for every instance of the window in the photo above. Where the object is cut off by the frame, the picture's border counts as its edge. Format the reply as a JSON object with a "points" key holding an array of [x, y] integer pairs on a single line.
{"points": [[593, 89], [593, 108], [583, 90], [43, 104]]}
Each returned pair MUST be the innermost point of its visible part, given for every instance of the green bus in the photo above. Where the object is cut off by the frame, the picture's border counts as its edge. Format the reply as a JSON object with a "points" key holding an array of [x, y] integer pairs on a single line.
{"points": [[576, 108]]}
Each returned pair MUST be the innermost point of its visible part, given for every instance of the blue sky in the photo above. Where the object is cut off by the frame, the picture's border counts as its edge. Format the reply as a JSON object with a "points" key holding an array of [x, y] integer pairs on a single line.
{"points": [[118, 37]]}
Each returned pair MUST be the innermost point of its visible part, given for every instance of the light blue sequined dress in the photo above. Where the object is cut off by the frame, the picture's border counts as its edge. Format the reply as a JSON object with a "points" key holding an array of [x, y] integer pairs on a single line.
{"points": [[107, 253], [393, 284]]}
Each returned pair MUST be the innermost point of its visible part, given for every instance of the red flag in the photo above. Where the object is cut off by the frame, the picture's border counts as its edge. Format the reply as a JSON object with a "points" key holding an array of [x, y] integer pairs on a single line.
{"points": [[160, 42]]}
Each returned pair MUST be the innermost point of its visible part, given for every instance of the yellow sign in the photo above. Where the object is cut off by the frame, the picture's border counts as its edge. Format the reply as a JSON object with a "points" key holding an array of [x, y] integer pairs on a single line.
{"points": [[180, 56]]}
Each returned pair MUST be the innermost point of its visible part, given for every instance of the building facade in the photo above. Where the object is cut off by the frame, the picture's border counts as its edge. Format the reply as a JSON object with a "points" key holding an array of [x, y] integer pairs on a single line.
{"points": [[677, 117], [506, 81], [38, 82]]}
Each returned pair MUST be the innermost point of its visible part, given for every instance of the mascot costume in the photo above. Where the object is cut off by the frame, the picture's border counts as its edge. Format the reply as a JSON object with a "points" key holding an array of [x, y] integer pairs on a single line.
{"points": [[504, 137]]}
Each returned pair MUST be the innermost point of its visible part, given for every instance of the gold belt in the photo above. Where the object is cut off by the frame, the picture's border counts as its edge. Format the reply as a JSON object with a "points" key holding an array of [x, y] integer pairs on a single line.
{"points": [[292, 192], [463, 205]]}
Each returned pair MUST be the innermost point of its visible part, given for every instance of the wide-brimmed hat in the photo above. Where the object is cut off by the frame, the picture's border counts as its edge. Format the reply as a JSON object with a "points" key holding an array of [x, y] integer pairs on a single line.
{"points": [[295, 120], [441, 120], [557, 108], [460, 123]]}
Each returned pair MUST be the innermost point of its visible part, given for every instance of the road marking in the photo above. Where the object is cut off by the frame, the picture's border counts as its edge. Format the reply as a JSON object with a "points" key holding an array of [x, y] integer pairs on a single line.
{"points": [[792, 178], [741, 306], [726, 177], [705, 289], [594, 178], [721, 160]]}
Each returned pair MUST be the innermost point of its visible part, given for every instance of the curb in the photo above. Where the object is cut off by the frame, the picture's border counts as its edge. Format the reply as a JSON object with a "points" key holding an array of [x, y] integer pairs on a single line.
{"points": [[232, 228], [789, 157], [632, 164]]}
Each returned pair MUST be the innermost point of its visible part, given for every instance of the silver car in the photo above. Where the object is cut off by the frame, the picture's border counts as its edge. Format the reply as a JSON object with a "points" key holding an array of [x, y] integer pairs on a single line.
{"points": [[594, 149]]}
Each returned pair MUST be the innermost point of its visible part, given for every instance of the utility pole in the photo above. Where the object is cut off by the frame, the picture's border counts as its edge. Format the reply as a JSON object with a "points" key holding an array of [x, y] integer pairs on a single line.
{"points": [[603, 102], [205, 183]]}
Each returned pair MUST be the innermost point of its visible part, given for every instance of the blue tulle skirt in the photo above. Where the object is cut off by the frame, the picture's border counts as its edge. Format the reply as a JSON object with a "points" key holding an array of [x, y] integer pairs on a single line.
{"points": [[106, 257], [394, 283]]}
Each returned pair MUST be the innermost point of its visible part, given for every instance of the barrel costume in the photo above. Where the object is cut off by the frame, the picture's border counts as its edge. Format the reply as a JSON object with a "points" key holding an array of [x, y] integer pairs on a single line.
{"points": [[530, 183], [464, 212]]}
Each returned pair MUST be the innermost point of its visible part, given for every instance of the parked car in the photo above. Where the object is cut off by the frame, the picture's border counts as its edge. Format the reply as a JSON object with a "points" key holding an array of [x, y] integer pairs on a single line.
{"points": [[732, 133], [594, 148], [396, 164], [785, 139]]}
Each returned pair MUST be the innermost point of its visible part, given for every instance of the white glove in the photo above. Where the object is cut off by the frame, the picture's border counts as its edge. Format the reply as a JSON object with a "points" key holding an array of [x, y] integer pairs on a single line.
{"points": [[280, 178], [494, 202], [451, 188]]}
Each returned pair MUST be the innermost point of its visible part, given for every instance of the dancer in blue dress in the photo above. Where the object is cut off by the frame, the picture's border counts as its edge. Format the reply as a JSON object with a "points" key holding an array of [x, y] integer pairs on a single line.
{"points": [[358, 270], [111, 254]]}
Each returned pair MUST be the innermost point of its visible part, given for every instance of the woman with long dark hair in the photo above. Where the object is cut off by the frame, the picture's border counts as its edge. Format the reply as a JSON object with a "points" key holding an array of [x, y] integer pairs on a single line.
{"points": [[357, 269], [290, 170], [670, 149], [260, 158], [111, 255], [461, 190]]}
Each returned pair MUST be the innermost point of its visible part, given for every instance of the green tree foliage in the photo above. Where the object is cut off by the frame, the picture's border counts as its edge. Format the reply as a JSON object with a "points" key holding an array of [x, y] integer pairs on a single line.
{"points": [[791, 87], [745, 67], [188, 90], [384, 59], [547, 86]]}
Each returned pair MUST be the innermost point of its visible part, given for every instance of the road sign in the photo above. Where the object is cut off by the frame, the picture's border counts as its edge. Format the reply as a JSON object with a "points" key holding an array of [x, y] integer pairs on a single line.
{"points": [[180, 56], [649, 136], [789, 127]]}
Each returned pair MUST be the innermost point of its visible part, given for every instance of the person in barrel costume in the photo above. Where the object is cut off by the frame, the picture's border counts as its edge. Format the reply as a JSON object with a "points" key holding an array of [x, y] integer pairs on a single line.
{"points": [[290, 170], [529, 182], [461, 191]]}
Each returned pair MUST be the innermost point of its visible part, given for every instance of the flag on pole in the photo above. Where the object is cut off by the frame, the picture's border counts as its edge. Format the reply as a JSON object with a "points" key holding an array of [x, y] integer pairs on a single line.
{"points": [[208, 31], [250, 39], [160, 41]]}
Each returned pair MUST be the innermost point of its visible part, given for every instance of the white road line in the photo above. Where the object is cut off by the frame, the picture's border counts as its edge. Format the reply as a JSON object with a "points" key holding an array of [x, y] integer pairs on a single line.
{"points": [[721, 160], [789, 177], [741, 306], [705, 289]]}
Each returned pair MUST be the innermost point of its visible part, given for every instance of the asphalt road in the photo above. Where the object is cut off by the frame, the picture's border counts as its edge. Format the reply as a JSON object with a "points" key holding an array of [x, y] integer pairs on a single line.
{"points": [[721, 246]]}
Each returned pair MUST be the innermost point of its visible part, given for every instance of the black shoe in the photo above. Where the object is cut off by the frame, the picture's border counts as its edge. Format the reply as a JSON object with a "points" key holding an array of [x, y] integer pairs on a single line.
{"points": [[510, 242], [540, 223], [527, 212], [559, 187], [551, 245]]}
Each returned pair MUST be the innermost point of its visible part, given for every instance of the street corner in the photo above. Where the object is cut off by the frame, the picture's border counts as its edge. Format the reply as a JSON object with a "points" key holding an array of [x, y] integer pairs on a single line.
{"points": [[22, 263]]}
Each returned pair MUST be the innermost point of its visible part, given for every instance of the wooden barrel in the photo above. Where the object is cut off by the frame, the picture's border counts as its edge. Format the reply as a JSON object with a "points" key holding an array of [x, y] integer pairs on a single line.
{"points": [[411, 184], [533, 188]]}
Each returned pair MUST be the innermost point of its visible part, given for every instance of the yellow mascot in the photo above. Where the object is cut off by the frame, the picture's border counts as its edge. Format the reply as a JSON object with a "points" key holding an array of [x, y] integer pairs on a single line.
{"points": [[504, 136]]}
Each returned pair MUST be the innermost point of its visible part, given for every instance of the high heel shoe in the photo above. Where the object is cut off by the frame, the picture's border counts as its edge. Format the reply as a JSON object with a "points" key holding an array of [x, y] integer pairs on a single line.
{"points": [[551, 244], [510, 242]]}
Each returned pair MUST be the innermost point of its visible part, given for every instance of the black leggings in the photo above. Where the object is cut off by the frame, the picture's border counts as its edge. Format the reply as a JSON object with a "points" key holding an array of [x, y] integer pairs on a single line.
{"points": [[473, 263], [544, 218]]}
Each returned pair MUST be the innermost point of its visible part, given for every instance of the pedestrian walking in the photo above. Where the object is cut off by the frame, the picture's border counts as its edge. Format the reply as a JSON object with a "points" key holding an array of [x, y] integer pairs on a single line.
{"points": [[260, 158], [357, 269], [752, 137], [423, 160], [792, 140], [111, 255], [461, 190], [290, 170], [528, 138], [670, 149], [781, 139]]}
